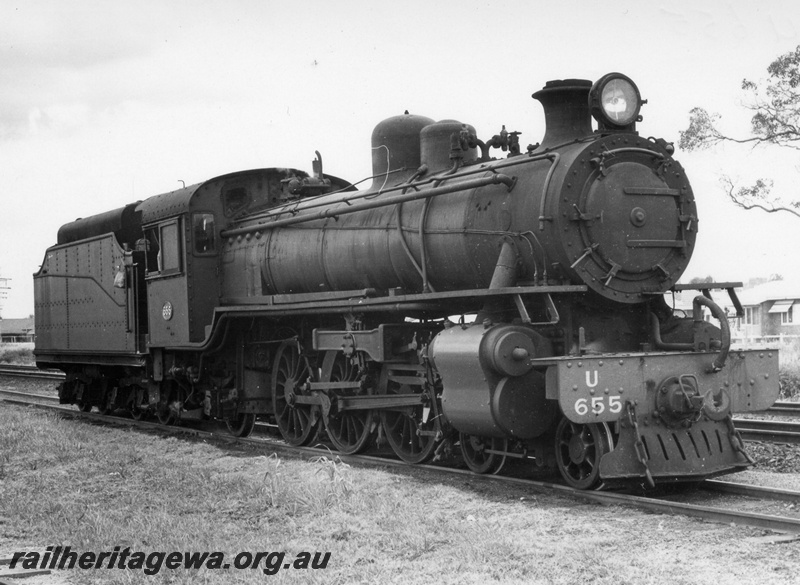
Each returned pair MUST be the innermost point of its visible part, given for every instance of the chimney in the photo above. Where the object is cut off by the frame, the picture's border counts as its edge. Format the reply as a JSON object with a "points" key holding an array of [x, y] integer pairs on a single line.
{"points": [[566, 111]]}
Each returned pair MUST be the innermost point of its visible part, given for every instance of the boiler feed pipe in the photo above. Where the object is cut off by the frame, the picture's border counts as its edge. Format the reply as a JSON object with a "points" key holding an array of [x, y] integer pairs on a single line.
{"points": [[327, 213]]}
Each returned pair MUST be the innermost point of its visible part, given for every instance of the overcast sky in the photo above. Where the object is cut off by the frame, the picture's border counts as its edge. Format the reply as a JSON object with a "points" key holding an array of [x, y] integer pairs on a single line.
{"points": [[105, 103]]}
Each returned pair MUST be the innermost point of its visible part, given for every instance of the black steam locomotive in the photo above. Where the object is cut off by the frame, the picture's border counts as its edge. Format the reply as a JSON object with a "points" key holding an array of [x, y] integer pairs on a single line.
{"points": [[512, 307]]}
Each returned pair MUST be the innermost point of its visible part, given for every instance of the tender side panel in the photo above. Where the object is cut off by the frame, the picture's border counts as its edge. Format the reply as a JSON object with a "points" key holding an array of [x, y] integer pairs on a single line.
{"points": [[78, 308]]}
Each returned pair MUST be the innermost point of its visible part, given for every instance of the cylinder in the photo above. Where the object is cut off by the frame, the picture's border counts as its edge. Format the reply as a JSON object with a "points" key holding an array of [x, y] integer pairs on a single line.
{"points": [[490, 390]]}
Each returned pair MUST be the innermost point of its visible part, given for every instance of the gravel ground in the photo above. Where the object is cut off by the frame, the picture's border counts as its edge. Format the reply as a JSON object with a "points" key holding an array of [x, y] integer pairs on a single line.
{"points": [[777, 466]]}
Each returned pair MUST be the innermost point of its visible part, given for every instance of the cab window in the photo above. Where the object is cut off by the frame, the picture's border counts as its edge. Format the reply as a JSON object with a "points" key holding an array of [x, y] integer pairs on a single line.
{"points": [[170, 253], [203, 230], [150, 246]]}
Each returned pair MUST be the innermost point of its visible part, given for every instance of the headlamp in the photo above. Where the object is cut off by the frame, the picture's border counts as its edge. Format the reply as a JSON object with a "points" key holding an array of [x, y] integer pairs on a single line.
{"points": [[615, 101]]}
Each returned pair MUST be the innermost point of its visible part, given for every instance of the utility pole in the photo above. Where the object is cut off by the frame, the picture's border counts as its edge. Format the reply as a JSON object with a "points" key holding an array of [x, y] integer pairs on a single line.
{"points": [[4, 288]]}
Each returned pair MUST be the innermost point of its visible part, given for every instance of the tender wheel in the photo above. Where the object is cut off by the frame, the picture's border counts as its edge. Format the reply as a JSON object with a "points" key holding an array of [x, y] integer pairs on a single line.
{"points": [[83, 406], [411, 439], [297, 422], [165, 415], [579, 449], [108, 406], [473, 450], [136, 398], [242, 425], [349, 431], [136, 412], [168, 409]]}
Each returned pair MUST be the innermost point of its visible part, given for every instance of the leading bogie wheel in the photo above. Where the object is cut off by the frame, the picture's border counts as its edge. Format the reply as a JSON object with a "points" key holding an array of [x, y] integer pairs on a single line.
{"points": [[579, 449], [475, 451]]}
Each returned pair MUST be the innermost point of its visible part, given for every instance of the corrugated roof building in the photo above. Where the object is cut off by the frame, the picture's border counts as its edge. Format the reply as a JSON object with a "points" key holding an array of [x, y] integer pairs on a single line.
{"points": [[771, 309], [17, 330]]}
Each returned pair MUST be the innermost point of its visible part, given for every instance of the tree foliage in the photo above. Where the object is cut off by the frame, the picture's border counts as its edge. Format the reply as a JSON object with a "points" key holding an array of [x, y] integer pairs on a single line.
{"points": [[702, 280], [775, 120]]}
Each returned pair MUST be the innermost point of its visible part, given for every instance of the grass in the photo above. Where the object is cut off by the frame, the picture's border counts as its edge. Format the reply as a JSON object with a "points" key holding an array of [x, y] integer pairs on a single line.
{"points": [[63, 482], [790, 370], [16, 353]]}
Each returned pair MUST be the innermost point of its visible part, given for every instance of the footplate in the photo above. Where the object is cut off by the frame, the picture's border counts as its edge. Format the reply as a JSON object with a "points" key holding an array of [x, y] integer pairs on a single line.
{"points": [[594, 389]]}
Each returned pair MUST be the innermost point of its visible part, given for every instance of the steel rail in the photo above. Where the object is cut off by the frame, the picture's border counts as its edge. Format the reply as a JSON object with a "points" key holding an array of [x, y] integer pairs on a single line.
{"points": [[752, 491], [768, 430], [713, 514], [784, 408], [26, 371], [25, 397]]}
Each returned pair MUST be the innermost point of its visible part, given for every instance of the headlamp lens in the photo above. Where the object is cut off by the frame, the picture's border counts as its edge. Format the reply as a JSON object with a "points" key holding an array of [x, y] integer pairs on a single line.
{"points": [[619, 100]]}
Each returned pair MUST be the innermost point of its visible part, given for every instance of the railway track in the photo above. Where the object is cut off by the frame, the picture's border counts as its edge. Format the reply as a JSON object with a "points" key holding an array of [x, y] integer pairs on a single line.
{"points": [[14, 577], [23, 371], [781, 408], [768, 430], [751, 429], [785, 409], [657, 504]]}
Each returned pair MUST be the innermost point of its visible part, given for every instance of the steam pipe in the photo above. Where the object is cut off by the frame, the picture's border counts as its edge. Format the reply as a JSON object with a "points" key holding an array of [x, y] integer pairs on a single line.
{"points": [[312, 202], [725, 329], [492, 179], [660, 344]]}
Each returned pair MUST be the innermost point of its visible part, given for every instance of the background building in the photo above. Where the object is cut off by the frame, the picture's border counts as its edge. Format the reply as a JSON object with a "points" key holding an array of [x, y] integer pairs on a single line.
{"points": [[17, 330]]}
